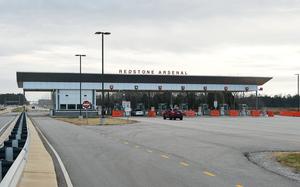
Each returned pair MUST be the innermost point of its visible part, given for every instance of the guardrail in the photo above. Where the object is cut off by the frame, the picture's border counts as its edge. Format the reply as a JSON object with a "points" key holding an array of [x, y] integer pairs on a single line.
{"points": [[14, 153]]}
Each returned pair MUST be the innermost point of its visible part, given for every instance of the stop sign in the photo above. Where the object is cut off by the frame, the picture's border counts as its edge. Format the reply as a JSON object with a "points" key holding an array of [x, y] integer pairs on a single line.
{"points": [[86, 104]]}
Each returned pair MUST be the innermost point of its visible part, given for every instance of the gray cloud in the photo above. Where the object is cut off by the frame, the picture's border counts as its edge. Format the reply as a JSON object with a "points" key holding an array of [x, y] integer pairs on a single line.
{"points": [[41, 35]]}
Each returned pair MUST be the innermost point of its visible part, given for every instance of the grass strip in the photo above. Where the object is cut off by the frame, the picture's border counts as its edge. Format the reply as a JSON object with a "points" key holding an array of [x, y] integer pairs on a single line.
{"points": [[96, 121], [290, 159]]}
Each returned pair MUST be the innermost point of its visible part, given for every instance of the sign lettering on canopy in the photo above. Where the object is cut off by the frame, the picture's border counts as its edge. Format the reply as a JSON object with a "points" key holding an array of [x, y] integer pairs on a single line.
{"points": [[151, 72]]}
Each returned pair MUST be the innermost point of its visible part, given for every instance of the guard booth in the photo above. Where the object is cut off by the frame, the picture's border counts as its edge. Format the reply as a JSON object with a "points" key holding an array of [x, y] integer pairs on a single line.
{"points": [[243, 108], [224, 108], [203, 109], [64, 87]]}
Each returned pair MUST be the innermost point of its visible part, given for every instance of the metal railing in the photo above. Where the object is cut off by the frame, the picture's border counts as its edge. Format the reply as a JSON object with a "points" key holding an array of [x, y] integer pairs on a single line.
{"points": [[14, 153]]}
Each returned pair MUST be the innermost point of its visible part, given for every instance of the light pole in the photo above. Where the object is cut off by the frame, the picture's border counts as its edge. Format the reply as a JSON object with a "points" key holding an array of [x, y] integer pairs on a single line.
{"points": [[102, 90], [80, 82], [298, 91]]}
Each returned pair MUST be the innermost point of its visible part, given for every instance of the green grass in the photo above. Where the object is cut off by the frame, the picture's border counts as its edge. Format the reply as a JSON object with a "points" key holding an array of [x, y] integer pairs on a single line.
{"points": [[290, 159], [18, 109], [96, 121]]}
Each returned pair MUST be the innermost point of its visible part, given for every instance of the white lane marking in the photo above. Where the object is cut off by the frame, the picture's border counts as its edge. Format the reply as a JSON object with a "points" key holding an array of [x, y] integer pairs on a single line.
{"points": [[61, 164]]}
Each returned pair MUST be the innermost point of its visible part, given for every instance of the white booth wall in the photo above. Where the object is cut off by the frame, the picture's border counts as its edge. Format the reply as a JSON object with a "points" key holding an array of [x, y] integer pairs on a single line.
{"points": [[69, 99]]}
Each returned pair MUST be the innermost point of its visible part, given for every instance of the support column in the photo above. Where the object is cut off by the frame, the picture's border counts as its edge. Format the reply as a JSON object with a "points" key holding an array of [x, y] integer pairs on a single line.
{"points": [[53, 99], [57, 99], [24, 93], [94, 99], [108, 103], [171, 99], [149, 105], [233, 94], [256, 100], [187, 99]]}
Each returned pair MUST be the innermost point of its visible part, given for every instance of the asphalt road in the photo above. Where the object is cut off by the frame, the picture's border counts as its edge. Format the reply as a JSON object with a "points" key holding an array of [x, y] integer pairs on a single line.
{"points": [[5, 118], [162, 153]]}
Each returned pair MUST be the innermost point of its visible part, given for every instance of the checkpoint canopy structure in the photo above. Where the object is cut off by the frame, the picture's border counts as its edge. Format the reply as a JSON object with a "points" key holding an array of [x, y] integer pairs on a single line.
{"points": [[65, 86]]}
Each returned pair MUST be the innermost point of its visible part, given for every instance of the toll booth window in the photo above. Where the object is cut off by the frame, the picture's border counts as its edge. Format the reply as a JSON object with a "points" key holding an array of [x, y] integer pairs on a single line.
{"points": [[63, 107], [71, 106]]}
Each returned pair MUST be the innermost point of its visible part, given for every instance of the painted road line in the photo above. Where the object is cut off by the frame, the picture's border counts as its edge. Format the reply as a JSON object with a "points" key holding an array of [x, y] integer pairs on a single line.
{"points": [[62, 166], [137, 146], [164, 156], [209, 173], [184, 164], [125, 142], [149, 151], [239, 185]]}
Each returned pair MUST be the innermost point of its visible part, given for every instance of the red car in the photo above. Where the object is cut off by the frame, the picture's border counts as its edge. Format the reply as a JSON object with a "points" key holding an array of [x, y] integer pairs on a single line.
{"points": [[173, 114]]}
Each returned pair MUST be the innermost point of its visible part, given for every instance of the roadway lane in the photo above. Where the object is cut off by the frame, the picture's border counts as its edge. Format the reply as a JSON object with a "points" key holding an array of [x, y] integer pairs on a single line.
{"points": [[156, 152], [5, 118]]}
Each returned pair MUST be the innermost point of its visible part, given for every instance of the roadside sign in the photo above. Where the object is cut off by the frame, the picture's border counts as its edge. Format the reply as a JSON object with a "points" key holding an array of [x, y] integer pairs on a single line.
{"points": [[127, 107], [86, 104], [215, 103]]}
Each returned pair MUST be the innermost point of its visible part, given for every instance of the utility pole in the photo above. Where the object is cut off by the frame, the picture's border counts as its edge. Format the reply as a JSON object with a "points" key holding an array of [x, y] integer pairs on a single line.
{"points": [[102, 74], [80, 102], [298, 90]]}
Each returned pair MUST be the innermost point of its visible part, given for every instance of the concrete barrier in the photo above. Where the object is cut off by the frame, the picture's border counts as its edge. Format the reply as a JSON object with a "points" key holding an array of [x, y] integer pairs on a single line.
{"points": [[290, 113], [190, 113], [255, 113], [270, 113], [151, 113], [117, 113], [4, 167], [233, 113], [215, 113], [14, 156]]}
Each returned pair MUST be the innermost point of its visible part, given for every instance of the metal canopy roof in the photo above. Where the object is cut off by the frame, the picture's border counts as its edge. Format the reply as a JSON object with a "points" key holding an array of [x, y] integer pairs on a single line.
{"points": [[121, 78]]}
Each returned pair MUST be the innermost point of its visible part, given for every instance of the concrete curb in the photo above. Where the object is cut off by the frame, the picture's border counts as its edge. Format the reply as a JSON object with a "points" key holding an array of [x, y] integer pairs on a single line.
{"points": [[54, 154], [265, 160]]}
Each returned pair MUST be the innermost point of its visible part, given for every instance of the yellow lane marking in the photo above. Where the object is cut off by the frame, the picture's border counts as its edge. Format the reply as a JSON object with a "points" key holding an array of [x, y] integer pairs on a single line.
{"points": [[184, 164], [209, 174], [125, 142], [137, 146], [164, 156], [239, 185], [149, 151]]}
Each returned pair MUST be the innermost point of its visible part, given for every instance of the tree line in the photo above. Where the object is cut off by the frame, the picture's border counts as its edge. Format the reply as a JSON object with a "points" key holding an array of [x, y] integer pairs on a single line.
{"points": [[195, 99], [12, 99], [192, 99]]}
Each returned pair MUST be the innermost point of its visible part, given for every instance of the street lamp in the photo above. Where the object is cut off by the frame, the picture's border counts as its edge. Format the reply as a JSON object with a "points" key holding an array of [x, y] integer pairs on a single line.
{"points": [[298, 91], [80, 55], [102, 90]]}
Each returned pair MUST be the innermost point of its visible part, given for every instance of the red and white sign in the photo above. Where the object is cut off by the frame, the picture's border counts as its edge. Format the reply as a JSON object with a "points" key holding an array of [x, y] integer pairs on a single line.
{"points": [[86, 104]]}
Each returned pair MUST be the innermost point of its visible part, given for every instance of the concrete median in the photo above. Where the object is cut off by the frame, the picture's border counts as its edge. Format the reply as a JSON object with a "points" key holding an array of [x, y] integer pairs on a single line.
{"points": [[39, 169]]}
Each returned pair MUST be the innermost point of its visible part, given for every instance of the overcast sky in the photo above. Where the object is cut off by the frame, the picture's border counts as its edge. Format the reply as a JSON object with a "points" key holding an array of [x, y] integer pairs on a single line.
{"points": [[202, 37]]}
